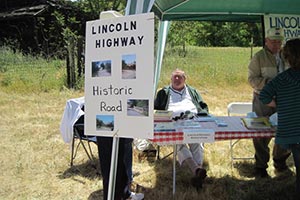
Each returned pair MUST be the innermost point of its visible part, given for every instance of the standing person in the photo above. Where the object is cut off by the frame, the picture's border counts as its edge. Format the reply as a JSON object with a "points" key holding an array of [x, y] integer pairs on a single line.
{"points": [[283, 92], [180, 98], [124, 168], [264, 66]]}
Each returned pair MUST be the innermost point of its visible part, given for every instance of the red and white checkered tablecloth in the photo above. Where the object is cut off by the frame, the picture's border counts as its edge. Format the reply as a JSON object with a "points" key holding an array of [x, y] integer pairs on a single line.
{"points": [[234, 130], [167, 138]]}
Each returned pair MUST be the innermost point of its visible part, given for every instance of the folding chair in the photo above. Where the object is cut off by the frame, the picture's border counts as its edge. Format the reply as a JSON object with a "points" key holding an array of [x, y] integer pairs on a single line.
{"points": [[238, 108], [82, 140], [166, 156]]}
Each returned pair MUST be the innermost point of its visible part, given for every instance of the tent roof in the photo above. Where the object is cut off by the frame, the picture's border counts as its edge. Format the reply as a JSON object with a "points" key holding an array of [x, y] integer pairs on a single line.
{"points": [[222, 10]]}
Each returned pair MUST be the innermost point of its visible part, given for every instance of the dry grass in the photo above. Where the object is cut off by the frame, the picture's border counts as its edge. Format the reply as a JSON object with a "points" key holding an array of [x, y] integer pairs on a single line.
{"points": [[34, 159], [35, 162]]}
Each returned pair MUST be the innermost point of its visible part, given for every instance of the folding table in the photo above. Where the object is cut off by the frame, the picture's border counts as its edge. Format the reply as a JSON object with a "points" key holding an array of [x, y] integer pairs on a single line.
{"points": [[234, 130]]}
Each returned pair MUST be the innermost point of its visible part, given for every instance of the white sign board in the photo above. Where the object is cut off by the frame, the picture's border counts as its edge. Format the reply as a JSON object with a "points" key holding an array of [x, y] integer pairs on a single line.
{"points": [[198, 135], [119, 68], [289, 23]]}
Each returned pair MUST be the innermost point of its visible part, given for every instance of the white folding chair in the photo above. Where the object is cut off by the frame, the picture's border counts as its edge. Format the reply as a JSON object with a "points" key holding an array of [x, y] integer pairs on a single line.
{"points": [[241, 109]]}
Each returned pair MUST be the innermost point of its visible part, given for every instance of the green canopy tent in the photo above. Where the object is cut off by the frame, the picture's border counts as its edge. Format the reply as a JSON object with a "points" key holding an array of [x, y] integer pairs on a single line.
{"points": [[222, 10], [215, 10]]}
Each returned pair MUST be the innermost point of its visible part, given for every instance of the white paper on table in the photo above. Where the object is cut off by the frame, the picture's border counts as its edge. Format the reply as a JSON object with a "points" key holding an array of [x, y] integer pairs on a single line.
{"points": [[274, 119], [251, 115], [198, 135], [187, 124], [209, 118]]}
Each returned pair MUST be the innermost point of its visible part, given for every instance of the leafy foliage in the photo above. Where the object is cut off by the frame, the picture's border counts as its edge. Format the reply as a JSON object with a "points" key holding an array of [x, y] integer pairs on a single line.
{"points": [[223, 34], [93, 7]]}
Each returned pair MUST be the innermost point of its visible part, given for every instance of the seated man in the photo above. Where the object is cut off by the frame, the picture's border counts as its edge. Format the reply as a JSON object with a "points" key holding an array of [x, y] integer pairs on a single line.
{"points": [[182, 98]]}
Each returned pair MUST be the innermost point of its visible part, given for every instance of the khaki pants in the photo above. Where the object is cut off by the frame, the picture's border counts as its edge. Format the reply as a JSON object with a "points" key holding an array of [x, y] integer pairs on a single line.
{"points": [[194, 151], [262, 151]]}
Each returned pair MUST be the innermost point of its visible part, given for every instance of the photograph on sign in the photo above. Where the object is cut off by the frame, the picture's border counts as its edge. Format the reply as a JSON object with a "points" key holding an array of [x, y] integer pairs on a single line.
{"points": [[101, 68], [129, 66], [137, 107], [104, 122]]}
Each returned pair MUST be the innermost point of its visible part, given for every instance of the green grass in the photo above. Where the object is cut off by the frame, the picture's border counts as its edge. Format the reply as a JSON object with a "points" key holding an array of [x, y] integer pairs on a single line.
{"points": [[208, 66], [22, 73], [205, 67], [34, 160]]}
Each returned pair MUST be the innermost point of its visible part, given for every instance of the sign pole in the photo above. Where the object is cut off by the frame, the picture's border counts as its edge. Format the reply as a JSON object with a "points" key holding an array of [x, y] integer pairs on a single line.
{"points": [[113, 167], [115, 144]]}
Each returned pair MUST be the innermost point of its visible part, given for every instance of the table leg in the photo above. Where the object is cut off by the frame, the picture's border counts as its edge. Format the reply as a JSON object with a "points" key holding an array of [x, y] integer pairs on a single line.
{"points": [[174, 168]]}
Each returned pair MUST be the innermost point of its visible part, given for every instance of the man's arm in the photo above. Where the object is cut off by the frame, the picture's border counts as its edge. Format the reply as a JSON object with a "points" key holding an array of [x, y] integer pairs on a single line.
{"points": [[255, 79], [161, 100], [267, 94], [198, 101]]}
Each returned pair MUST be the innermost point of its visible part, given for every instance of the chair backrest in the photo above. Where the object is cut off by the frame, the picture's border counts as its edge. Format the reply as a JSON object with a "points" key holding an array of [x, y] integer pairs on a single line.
{"points": [[239, 108]]}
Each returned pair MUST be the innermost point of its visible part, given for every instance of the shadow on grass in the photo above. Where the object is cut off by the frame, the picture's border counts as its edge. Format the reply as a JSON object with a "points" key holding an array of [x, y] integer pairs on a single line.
{"points": [[89, 169], [97, 195], [227, 187]]}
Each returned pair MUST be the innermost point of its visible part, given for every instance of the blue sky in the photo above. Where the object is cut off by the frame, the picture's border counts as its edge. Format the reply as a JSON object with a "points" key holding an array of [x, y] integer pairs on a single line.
{"points": [[129, 58], [105, 118]]}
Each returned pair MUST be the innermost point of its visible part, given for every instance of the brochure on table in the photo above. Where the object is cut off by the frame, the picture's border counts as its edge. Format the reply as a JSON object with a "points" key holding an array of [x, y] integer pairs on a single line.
{"points": [[256, 123], [119, 71]]}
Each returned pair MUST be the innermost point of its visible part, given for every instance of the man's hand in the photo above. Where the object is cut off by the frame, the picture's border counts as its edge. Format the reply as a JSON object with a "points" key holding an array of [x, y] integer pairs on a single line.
{"points": [[272, 104]]}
